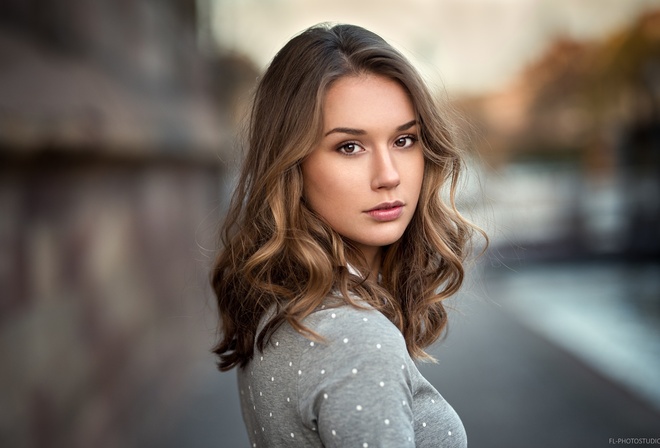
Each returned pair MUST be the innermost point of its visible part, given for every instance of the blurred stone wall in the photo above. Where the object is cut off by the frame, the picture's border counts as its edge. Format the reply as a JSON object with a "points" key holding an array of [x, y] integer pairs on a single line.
{"points": [[104, 299], [115, 148]]}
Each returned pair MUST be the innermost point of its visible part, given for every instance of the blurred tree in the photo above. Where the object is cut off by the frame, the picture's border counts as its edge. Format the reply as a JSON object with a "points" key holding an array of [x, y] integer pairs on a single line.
{"points": [[594, 108]]}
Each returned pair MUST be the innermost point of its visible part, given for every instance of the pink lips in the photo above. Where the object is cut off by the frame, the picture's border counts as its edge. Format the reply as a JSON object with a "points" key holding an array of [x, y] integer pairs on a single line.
{"points": [[387, 211]]}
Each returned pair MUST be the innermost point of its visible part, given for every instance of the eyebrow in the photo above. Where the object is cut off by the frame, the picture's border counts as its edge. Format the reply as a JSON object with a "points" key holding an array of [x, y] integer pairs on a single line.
{"points": [[353, 131]]}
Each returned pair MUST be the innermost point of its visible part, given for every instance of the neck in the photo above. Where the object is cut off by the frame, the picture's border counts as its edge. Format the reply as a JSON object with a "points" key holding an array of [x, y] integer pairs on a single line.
{"points": [[373, 257]]}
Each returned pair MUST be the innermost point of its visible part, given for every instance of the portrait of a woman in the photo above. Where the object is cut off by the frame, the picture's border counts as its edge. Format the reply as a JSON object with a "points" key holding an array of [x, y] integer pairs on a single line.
{"points": [[341, 243]]}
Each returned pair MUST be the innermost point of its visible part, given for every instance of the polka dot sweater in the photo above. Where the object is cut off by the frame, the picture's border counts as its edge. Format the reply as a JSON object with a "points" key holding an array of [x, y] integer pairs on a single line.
{"points": [[360, 388]]}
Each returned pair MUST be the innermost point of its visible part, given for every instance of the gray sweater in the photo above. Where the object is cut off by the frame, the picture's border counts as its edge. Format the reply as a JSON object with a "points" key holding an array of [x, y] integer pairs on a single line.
{"points": [[358, 389]]}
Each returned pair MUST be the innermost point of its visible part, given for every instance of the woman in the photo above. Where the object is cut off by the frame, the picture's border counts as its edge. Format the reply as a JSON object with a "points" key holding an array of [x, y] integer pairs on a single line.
{"points": [[339, 250]]}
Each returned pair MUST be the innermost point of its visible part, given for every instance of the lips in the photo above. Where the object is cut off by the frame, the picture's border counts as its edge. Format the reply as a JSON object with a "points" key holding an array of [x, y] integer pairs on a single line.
{"points": [[386, 211]]}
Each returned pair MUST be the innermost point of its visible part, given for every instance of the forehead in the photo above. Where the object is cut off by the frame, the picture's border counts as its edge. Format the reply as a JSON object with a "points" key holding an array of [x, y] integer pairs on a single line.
{"points": [[366, 100]]}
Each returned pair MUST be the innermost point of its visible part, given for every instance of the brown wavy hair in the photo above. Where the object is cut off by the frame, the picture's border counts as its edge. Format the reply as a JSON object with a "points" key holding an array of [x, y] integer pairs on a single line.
{"points": [[279, 255]]}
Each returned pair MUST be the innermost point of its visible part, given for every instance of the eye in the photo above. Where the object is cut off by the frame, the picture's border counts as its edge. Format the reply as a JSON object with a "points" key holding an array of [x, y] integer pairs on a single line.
{"points": [[349, 148], [405, 142]]}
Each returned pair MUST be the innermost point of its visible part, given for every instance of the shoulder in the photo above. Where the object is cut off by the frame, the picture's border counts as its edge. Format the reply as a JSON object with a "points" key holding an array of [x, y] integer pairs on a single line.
{"points": [[350, 328], [354, 339]]}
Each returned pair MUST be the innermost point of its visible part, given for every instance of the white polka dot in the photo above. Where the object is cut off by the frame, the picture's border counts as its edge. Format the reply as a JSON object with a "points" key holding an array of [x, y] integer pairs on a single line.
{"points": [[403, 402], [365, 444], [424, 424], [334, 433], [403, 367], [365, 319], [292, 435], [254, 407], [277, 343], [299, 372], [358, 407], [254, 445], [381, 384], [325, 396], [378, 346], [260, 394], [263, 429], [290, 363], [271, 414], [262, 358], [322, 371], [345, 340], [409, 439], [387, 421], [333, 315], [432, 400], [272, 378], [449, 432], [354, 371], [288, 399]]}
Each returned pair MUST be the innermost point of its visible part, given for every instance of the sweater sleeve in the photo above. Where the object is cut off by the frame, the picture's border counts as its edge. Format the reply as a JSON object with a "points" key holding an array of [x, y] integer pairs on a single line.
{"points": [[355, 389]]}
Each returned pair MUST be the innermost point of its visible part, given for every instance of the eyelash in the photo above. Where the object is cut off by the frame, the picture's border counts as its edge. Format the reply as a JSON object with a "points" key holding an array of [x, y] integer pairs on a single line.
{"points": [[340, 148]]}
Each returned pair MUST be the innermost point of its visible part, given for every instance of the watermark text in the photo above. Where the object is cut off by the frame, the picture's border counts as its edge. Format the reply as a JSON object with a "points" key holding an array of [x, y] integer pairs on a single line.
{"points": [[634, 440]]}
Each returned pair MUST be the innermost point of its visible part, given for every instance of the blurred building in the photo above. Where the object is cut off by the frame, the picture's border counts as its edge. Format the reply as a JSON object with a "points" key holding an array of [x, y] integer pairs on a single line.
{"points": [[583, 122], [115, 141]]}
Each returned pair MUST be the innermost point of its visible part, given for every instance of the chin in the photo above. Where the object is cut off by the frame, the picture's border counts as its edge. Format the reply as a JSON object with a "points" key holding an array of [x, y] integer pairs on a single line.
{"points": [[385, 240]]}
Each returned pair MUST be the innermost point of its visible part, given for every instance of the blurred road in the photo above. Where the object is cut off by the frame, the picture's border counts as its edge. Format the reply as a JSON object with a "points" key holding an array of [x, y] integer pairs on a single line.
{"points": [[515, 389], [512, 388]]}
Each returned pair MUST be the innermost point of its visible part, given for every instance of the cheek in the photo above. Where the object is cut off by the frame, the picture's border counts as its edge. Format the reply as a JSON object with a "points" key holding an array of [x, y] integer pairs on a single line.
{"points": [[422, 183], [416, 172], [325, 181], [315, 185], [422, 174], [321, 190]]}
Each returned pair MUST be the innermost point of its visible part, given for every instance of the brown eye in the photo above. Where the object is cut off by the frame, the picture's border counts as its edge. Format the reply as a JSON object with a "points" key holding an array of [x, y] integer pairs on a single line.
{"points": [[405, 142], [349, 148]]}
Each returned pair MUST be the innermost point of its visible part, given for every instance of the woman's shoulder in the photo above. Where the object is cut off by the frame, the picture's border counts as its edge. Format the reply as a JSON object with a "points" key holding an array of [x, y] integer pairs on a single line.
{"points": [[349, 326], [345, 331]]}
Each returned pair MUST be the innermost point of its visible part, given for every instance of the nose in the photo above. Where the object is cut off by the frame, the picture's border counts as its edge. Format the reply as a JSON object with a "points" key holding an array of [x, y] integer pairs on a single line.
{"points": [[385, 174]]}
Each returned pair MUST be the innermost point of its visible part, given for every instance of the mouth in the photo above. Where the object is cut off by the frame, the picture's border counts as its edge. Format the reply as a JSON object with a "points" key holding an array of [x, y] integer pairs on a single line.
{"points": [[386, 211]]}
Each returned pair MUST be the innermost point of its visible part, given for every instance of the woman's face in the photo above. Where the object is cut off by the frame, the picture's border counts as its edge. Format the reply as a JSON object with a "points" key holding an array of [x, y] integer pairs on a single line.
{"points": [[365, 175]]}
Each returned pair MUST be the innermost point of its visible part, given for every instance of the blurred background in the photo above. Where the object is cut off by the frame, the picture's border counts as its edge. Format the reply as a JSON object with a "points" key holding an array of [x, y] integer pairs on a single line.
{"points": [[118, 149]]}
